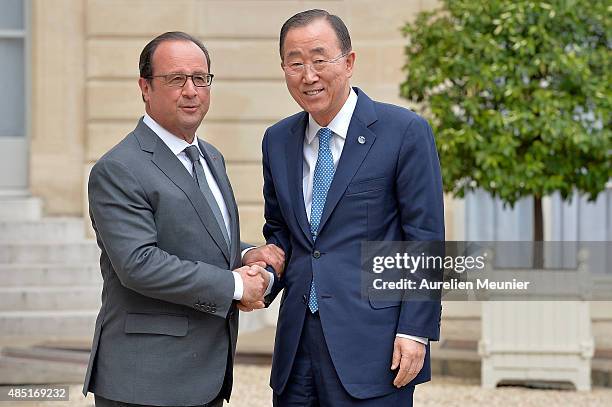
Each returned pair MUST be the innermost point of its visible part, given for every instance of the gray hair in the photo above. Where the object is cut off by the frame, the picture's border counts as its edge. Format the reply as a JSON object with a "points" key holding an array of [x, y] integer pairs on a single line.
{"points": [[306, 17]]}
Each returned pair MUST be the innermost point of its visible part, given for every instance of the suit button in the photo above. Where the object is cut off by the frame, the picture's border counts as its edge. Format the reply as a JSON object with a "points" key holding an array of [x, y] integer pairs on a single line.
{"points": [[316, 254]]}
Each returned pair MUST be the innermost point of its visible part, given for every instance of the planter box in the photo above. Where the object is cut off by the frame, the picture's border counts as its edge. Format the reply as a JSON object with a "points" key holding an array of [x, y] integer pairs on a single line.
{"points": [[539, 341]]}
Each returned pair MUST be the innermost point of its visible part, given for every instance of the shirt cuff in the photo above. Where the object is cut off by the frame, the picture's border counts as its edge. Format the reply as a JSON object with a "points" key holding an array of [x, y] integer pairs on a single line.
{"points": [[244, 251], [238, 286], [424, 341], [270, 283]]}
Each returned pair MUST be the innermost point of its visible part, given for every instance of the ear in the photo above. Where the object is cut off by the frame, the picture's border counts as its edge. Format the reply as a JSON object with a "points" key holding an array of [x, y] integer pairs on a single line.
{"points": [[350, 63], [145, 89]]}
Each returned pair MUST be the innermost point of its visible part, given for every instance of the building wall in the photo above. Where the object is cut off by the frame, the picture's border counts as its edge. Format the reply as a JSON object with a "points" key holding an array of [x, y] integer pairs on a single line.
{"points": [[57, 111], [86, 96]]}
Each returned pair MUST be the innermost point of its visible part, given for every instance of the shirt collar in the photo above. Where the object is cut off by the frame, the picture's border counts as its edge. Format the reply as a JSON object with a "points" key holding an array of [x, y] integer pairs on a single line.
{"points": [[339, 124], [174, 143]]}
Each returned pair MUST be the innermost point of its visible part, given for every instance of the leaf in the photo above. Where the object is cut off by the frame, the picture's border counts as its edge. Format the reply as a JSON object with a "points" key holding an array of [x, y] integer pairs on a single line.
{"points": [[518, 92]]}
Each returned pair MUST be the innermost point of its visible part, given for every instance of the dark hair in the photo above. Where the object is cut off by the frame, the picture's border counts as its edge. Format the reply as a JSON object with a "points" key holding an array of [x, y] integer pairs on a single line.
{"points": [[306, 17], [146, 56]]}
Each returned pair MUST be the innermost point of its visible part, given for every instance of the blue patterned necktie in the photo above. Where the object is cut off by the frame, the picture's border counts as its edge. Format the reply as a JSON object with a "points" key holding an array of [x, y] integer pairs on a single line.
{"points": [[323, 175]]}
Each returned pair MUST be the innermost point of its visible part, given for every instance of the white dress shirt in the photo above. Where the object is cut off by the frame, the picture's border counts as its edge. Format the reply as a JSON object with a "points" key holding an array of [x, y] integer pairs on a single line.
{"points": [[339, 127], [177, 146]]}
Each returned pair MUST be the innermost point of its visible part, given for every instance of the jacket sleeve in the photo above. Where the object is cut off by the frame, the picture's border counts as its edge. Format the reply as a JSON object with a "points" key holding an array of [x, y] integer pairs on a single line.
{"points": [[124, 222], [421, 206], [275, 229]]}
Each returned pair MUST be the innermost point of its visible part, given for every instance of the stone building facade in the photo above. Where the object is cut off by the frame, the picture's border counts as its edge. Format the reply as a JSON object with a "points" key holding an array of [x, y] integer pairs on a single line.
{"points": [[85, 97]]}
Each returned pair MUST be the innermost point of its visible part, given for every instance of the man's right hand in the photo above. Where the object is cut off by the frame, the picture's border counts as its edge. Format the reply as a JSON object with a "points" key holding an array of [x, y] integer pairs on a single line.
{"points": [[268, 254], [255, 282]]}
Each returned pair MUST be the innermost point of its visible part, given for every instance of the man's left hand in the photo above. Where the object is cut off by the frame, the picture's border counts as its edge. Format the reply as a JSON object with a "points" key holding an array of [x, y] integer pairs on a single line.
{"points": [[269, 254], [256, 268], [409, 355]]}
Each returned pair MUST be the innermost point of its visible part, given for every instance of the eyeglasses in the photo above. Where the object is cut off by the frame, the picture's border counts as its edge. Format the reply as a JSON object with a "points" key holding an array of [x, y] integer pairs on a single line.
{"points": [[178, 80], [319, 65]]}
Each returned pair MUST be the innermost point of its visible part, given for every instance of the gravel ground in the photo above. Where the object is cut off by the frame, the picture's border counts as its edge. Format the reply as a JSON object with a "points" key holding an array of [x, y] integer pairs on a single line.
{"points": [[251, 390]]}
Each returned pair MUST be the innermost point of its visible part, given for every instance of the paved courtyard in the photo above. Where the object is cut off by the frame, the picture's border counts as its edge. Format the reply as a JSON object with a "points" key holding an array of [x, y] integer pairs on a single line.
{"points": [[251, 390]]}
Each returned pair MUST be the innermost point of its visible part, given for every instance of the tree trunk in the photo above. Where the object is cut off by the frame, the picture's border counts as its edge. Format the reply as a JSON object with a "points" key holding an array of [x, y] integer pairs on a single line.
{"points": [[538, 233]]}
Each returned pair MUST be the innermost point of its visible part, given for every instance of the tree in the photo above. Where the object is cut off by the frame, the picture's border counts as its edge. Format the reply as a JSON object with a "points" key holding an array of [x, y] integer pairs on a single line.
{"points": [[519, 95]]}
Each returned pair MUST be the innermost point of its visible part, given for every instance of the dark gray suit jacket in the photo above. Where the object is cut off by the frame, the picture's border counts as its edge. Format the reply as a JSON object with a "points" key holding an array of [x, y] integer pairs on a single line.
{"points": [[166, 331]]}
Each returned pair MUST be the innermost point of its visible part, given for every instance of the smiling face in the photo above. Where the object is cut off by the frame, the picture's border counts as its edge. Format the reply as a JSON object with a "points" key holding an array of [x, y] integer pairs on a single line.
{"points": [[322, 94], [178, 110]]}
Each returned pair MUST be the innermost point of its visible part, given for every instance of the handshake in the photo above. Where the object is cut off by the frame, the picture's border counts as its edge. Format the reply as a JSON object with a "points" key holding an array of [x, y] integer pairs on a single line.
{"points": [[255, 278]]}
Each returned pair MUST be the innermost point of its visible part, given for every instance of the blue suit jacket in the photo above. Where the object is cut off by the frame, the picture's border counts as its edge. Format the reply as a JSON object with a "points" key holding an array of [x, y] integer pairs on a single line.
{"points": [[388, 188]]}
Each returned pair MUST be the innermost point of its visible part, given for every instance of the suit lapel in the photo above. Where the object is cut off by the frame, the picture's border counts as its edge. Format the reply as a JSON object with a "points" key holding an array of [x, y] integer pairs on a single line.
{"points": [[295, 173], [353, 153], [170, 165], [216, 166]]}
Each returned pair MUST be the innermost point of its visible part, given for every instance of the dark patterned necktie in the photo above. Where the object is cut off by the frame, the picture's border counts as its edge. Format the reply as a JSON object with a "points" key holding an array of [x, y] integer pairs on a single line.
{"points": [[193, 153]]}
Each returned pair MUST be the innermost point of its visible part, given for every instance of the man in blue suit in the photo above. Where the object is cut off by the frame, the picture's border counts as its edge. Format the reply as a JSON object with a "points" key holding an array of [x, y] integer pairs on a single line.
{"points": [[346, 170]]}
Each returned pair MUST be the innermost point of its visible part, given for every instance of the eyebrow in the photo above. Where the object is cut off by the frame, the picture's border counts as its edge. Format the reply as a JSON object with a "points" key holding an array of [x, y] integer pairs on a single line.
{"points": [[316, 50], [185, 73], [293, 54]]}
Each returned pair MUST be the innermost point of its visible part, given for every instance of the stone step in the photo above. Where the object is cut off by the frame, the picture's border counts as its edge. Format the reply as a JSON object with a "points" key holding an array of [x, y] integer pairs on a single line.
{"points": [[46, 353], [16, 370], [20, 208], [82, 252], [40, 364], [13, 275], [50, 298], [47, 324], [47, 229]]}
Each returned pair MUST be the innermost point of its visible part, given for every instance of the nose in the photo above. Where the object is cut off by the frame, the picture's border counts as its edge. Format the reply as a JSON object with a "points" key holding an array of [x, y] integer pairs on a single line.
{"points": [[189, 89], [310, 75]]}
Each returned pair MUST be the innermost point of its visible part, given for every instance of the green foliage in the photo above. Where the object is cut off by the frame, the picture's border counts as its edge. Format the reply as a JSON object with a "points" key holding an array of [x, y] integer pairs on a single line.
{"points": [[518, 93]]}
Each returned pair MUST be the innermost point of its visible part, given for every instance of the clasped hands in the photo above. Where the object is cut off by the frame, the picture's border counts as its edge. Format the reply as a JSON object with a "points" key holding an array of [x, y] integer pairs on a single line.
{"points": [[255, 277]]}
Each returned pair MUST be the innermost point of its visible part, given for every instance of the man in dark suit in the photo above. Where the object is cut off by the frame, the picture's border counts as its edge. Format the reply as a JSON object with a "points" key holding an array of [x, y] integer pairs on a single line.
{"points": [[346, 170], [167, 224]]}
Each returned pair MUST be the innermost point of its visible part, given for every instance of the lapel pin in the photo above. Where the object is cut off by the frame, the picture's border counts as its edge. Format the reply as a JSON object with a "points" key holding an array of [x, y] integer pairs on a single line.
{"points": [[361, 140]]}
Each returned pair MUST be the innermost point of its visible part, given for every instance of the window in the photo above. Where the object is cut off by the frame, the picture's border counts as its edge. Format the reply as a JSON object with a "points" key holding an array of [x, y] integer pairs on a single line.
{"points": [[12, 68]]}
